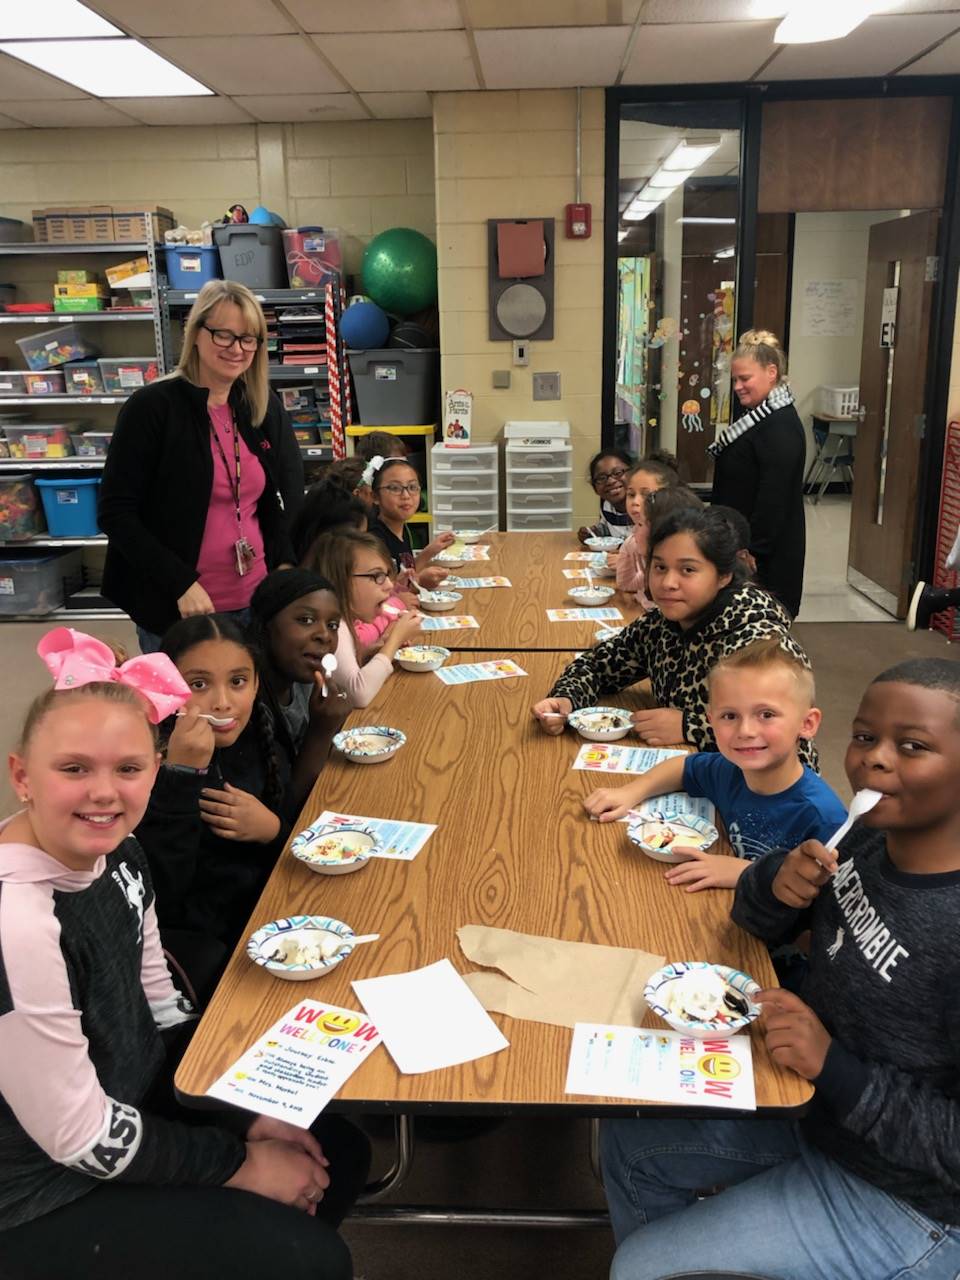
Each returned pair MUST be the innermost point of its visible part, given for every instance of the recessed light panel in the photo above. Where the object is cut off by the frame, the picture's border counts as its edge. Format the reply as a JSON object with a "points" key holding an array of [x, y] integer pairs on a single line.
{"points": [[108, 68]]}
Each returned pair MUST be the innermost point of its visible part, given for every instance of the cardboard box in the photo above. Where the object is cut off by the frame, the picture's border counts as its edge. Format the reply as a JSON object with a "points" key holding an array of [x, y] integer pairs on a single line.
{"points": [[119, 276], [78, 276], [76, 224], [96, 290], [75, 306], [131, 226]]}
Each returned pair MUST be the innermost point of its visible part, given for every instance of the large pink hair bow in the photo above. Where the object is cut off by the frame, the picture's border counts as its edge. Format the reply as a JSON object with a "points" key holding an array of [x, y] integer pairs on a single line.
{"points": [[74, 659]]}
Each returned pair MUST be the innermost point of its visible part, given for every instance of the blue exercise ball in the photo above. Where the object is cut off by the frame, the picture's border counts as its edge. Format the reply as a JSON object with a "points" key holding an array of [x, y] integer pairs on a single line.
{"points": [[364, 325], [400, 271]]}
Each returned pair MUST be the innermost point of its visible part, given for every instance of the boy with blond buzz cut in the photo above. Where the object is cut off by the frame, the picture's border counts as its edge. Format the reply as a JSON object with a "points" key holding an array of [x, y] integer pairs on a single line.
{"points": [[761, 705]]}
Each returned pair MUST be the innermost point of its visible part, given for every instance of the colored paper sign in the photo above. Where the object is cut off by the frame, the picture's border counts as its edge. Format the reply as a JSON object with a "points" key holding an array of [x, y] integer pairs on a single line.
{"points": [[613, 757], [452, 622], [468, 672]]}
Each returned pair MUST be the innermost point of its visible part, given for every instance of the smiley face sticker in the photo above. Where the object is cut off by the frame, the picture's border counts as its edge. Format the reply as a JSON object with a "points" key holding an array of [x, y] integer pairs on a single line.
{"points": [[719, 1066], [338, 1024]]}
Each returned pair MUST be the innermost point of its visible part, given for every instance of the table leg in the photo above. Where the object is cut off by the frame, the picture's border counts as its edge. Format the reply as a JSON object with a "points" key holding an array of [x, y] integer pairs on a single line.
{"points": [[594, 1140], [399, 1171], [830, 467]]}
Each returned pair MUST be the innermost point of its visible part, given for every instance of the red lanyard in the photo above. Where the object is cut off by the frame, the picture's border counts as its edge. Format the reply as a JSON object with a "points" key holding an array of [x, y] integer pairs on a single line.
{"points": [[232, 481]]}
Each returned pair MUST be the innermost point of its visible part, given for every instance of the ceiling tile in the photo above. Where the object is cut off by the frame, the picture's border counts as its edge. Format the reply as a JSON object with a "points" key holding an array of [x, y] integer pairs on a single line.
{"points": [[373, 15], [17, 80], [942, 61], [252, 64], [688, 53], [674, 11], [7, 122], [80, 113], [176, 111], [399, 106], [544, 58], [875, 48], [280, 108], [482, 14], [437, 60], [188, 18]]}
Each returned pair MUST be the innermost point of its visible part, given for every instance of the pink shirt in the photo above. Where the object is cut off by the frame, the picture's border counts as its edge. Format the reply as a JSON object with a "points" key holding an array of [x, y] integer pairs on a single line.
{"points": [[217, 562], [369, 633], [631, 574]]}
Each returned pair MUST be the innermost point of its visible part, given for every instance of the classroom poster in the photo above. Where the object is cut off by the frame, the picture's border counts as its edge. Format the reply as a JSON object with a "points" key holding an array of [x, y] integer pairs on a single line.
{"points": [[614, 757], [299, 1064], [661, 1066]]}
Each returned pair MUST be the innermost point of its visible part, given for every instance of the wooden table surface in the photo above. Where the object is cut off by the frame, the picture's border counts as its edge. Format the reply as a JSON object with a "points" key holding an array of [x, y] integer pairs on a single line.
{"points": [[514, 619], [513, 849]]}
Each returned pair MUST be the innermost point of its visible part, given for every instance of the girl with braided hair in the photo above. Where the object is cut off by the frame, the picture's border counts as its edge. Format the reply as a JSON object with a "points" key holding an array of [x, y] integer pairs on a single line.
{"points": [[218, 814]]}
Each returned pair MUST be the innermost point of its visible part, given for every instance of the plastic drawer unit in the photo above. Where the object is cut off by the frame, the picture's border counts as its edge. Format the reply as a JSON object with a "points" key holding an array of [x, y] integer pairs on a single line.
{"points": [[538, 470], [465, 487]]}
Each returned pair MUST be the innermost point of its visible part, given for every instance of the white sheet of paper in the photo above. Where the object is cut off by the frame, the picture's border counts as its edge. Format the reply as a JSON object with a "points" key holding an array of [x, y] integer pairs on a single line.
{"points": [[661, 1066], [429, 1018]]}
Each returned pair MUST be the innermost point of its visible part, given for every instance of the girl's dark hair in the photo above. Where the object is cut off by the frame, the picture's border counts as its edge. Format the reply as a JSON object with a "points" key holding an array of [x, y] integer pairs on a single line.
{"points": [[380, 444], [619, 454], [739, 523], [393, 462], [665, 502], [200, 628], [666, 472], [713, 534], [347, 473], [327, 506]]}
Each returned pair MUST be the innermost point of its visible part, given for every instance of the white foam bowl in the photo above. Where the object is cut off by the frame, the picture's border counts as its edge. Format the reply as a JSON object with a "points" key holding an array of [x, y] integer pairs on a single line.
{"points": [[439, 601], [593, 723], [603, 544], [688, 832], [467, 536], [740, 984], [369, 743], [421, 657], [333, 850], [264, 945], [591, 595]]}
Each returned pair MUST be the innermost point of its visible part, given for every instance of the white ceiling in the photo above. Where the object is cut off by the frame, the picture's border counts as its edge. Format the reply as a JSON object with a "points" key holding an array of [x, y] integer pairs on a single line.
{"points": [[279, 60]]}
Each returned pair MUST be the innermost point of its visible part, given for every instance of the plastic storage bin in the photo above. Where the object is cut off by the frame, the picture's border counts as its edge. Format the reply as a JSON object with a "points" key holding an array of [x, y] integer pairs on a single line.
{"points": [[41, 440], [838, 402], [21, 513], [83, 378], [125, 375], [70, 506], [312, 253], [13, 383], [395, 387], [539, 521], [191, 265], [91, 444], [477, 458], [54, 347], [252, 255], [35, 581]]}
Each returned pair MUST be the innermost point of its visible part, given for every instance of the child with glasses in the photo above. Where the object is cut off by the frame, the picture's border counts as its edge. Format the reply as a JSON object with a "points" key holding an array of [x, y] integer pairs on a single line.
{"points": [[358, 566], [608, 469], [396, 490]]}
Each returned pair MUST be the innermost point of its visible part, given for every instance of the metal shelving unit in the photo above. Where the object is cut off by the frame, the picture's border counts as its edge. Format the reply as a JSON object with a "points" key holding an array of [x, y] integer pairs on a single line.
{"points": [[79, 317], [51, 464], [40, 402], [98, 541]]}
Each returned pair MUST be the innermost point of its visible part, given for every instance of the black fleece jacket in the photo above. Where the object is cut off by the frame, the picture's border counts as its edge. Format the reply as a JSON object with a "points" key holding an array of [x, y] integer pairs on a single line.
{"points": [[156, 489]]}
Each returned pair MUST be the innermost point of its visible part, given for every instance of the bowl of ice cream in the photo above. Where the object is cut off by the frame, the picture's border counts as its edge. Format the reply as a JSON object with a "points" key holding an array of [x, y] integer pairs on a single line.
{"points": [[468, 536], [369, 743], [335, 850], [662, 838], [600, 724], [450, 559], [594, 594], [299, 948], [439, 601], [602, 544], [421, 657], [599, 567], [703, 1000]]}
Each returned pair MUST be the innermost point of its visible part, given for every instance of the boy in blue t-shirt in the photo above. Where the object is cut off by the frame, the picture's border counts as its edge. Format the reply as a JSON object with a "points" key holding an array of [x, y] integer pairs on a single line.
{"points": [[761, 704]]}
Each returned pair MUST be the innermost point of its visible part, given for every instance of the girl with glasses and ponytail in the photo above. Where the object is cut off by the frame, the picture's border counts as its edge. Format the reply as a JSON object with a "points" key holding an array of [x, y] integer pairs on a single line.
{"points": [[203, 475], [396, 491]]}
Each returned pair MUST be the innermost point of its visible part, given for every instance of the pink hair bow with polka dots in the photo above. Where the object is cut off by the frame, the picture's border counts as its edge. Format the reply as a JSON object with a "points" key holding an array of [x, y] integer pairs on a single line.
{"points": [[73, 659]]}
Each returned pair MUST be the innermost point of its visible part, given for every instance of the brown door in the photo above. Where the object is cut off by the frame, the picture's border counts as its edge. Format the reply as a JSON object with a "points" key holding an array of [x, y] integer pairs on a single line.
{"points": [[892, 385]]}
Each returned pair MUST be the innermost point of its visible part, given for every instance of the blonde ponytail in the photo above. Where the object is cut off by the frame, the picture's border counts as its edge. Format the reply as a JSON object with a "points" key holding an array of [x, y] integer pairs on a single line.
{"points": [[764, 347]]}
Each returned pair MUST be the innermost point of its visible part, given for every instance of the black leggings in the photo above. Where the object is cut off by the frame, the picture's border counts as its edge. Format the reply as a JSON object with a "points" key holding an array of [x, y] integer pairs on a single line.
{"points": [[123, 1232]]}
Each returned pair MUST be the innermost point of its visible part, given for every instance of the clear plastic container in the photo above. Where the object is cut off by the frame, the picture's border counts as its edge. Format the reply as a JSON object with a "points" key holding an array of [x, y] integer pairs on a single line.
{"points": [[91, 444], [35, 581], [21, 513], [41, 440], [83, 378], [51, 383], [312, 253], [55, 347], [127, 374], [13, 383]]}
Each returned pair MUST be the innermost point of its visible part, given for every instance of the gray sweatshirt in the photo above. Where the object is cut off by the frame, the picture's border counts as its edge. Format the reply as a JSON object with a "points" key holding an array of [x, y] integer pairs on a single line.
{"points": [[884, 979]]}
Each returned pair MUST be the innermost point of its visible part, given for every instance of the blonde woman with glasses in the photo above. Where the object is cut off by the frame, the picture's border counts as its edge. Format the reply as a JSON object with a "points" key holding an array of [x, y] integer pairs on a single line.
{"points": [[203, 475]]}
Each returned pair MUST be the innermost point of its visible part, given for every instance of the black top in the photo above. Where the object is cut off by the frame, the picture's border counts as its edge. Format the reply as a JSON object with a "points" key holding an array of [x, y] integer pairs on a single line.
{"points": [[400, 550], [156, 488], [761, 476]]}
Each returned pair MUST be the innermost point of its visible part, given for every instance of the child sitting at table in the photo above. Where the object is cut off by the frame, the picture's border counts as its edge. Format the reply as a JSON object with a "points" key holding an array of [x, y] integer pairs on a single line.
{"points": [[761, 705], [326, 508], [396, 489], [867, 1184], [358, 566], [644, 506], [103, 1175]]}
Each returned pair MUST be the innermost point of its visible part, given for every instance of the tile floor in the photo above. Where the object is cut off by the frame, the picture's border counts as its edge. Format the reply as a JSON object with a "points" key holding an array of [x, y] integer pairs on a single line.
{"points": [[826, 596]]}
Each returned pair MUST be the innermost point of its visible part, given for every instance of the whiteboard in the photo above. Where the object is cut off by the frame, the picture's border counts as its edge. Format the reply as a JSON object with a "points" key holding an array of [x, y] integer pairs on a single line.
{"points": [[830, 309]]}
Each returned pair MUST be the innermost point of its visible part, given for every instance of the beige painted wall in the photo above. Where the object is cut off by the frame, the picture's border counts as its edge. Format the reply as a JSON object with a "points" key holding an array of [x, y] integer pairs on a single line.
{"points": [[361, 176], [509, 155]]}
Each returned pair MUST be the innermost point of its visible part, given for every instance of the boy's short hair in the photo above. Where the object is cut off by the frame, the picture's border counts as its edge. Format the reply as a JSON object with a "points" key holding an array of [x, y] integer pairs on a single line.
{"points": [[765, 653], [928, 673]]}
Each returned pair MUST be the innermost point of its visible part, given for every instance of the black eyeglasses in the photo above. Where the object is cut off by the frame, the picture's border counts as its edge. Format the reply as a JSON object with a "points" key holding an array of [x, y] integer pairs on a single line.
{"points": [[398, 489], [379, 576], [226, 338], [604, 477]]}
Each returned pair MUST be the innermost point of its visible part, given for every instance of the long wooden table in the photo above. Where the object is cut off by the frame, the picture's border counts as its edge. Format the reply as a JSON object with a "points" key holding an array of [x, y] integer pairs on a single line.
{"points": [[513, 849], [514, 619]]}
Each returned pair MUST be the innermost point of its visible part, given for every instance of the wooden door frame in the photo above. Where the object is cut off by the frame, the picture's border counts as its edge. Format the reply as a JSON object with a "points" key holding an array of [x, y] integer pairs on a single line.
{"points": [[751, 98]]}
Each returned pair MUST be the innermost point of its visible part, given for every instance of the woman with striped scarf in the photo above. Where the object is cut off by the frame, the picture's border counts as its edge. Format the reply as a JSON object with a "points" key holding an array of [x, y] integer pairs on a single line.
{"points": [[760, 462]]}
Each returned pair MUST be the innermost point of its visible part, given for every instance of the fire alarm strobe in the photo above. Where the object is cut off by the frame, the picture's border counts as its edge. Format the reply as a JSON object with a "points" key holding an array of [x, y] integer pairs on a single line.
{"points": [[578, 221]]}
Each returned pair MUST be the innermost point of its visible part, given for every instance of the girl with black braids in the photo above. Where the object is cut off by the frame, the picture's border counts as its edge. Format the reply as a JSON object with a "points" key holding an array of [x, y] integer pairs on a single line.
{"points": [[218, 814]]}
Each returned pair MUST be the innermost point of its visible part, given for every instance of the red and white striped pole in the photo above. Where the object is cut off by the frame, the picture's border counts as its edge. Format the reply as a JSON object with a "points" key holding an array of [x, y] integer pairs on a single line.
{"points": [[334, 374]]}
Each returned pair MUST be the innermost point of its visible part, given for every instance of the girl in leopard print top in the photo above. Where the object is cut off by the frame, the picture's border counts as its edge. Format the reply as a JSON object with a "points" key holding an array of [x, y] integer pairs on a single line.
{"points": [[705, 610]]}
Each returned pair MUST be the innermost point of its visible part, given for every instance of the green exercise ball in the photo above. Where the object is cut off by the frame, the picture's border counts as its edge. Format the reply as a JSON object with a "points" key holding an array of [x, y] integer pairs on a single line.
{"points": [[400, 271]]}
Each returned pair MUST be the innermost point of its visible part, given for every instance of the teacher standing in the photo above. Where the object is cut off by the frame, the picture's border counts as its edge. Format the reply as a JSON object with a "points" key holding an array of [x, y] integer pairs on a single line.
{"points": [[203, 475], [760, 463]]}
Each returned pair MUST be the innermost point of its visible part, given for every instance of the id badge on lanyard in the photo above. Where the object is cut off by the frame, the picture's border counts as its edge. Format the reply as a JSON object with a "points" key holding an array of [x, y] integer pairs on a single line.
{"points": [[244, 554]]}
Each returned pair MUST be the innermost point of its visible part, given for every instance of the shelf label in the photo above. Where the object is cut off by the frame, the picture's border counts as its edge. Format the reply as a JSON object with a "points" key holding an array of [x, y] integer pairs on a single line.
{"points": [[6, 587], [311, 368]]}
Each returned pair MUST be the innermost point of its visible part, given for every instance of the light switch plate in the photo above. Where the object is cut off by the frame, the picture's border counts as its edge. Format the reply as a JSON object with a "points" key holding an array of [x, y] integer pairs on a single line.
{"points": [[546, 386], [521, 351], [501, 379]]}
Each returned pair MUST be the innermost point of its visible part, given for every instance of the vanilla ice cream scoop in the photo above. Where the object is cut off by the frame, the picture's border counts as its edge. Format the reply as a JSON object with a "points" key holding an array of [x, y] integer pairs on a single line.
{"points": [[697, 995]]}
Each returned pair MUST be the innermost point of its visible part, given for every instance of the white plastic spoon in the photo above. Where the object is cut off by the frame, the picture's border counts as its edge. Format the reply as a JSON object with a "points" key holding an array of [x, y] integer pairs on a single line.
{"points": [[861, 803], [216, 720], [361, 938]]}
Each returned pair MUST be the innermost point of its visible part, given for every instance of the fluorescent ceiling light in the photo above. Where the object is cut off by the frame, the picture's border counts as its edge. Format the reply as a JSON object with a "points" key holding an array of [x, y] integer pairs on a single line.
{"points": [[108, 68], [685, 158], [705, 222], [66, 17], [622, 235], [690, 153], [813, 21], [724, 253]]}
